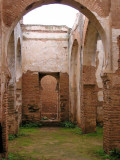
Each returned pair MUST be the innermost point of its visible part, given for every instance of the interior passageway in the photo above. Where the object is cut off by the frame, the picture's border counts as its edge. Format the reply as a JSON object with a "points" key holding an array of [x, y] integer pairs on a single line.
{"points": [[57, 79]]}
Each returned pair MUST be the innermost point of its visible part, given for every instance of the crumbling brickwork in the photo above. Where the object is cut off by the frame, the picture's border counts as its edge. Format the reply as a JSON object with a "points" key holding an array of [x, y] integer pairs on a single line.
{"points": [[104, 16], [45, 62], [33, 100], [14, 85], [111, 111], [89, 100], [30, 97]]}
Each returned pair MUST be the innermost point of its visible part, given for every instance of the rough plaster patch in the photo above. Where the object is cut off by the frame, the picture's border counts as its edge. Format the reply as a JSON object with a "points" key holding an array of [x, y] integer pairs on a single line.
{"points": [[115, 48], [100, 96]]}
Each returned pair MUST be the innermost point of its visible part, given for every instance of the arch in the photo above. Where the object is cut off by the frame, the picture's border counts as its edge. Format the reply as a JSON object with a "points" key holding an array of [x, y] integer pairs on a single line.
{"points": [[11, 85], [89, 9], [73, 80], [49, 98], [90, 43], [13, 13], [89, 88], [11, 57]]}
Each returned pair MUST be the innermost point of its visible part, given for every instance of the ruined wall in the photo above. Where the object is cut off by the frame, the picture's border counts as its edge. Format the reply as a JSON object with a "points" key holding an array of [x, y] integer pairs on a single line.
{"points": [[86, 61], [100, 57], [89, 92], [11, 86], [99, 12], [14, 109], [75, 64], [45, 51], [30, 97], [93, 66]]}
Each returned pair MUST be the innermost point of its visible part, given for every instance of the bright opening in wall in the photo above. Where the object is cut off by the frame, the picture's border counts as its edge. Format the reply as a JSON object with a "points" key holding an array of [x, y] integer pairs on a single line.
{"points": [[53, 14]]}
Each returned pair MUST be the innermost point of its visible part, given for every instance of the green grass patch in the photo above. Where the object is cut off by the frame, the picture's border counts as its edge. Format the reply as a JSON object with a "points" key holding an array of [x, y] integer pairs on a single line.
{"points": [[67, 124], [13, 136], [48, 143], [114, 155], [16, 156]]}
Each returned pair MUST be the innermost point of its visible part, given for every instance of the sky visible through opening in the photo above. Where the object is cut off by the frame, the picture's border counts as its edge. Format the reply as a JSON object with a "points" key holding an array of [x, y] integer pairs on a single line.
{"points": [[53, 14]]}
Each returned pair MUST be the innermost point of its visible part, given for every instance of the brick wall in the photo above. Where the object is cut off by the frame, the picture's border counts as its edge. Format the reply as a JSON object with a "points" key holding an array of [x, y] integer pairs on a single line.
{"points": [[4, 123], [12, 128], [31, 97], [1, 131], [37, 102], [111, 134]]}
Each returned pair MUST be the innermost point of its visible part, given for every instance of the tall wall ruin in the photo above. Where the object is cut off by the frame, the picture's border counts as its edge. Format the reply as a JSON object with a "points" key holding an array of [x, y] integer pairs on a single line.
{"points": [[45, 52], [103, 15]]}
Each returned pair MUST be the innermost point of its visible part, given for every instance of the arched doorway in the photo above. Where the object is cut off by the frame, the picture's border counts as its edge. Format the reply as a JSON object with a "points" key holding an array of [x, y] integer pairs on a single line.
{"points": [[49, 98], [25, 7], [73, 81]]}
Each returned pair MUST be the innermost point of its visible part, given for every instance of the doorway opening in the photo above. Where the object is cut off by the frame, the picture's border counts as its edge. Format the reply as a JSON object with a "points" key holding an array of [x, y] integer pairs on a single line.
{"points": [[49, 96]]}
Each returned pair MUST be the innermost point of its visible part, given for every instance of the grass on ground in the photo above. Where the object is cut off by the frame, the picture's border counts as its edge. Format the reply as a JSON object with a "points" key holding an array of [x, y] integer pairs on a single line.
{"points": [[48, 143]]}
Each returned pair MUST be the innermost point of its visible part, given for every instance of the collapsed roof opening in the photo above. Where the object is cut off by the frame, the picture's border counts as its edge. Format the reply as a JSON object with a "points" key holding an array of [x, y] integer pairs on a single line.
{"points": [[53, 14]]}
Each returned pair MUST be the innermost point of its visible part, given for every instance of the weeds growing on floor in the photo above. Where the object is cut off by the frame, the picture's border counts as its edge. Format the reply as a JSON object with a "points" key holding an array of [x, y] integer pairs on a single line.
{"points": [[114, 154], [13, 136], [31, 125], [68, 124]]}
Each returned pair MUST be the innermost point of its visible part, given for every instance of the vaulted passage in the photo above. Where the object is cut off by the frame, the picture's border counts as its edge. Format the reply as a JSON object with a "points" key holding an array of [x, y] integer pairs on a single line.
{"points": [[56, 73]]}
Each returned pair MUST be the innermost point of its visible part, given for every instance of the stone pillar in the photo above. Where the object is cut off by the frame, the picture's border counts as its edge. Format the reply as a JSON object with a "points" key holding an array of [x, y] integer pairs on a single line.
{"points": [[89, 100]]}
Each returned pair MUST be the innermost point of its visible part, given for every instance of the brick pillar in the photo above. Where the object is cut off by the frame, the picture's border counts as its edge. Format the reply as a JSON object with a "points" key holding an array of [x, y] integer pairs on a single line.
{"points": [[111, 132], [1, 144], [4, 124], [64, 97], [11, 110], [88, 100]]}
